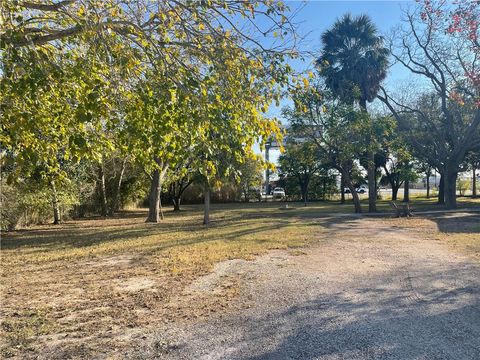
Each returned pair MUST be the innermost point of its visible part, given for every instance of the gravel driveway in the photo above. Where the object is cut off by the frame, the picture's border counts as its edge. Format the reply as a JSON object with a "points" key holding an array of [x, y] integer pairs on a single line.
{"points": [[366, 291]]}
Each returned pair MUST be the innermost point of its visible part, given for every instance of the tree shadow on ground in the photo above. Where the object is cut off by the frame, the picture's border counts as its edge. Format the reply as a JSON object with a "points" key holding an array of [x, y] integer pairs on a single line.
{"points": [[78, 236], [226, 224], [174, 231], [384, 336], [441, 321], [463, 222]]}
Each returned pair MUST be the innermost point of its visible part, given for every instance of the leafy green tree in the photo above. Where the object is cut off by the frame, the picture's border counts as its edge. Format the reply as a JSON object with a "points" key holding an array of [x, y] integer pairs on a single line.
{"points": [[408, 173], [447, 113], [334, 127], [395, 156], [156, 124], [425, 169], [300, 160], [378, 132], [473, 161], [354, 62], [57, 109], [250, 177], [81, 80], [323, 184], [181, 176]]}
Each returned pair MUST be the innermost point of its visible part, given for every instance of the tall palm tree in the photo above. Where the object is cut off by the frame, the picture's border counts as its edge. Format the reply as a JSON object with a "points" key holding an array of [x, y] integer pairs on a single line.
{"points": [[353, 63], [353, 60]]}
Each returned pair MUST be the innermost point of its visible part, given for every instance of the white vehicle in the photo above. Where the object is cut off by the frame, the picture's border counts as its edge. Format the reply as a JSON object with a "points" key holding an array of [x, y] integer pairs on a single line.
{"points": [[362, 189], [278, 192]]}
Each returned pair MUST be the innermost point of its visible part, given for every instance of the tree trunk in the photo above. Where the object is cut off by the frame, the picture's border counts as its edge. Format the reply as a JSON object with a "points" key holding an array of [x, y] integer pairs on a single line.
{"points": [[363, 104], [154, 199], [303, 182], [116, 202], [246, 194], [56, 210], [441, 190], [474, 182], [342, 189], [324, 192], [450, 185], [428, 185], [103, 192], [155, 211], [406, 191], [356, 199], [206, 203], [372, 194], [394, 192], [176, 191], [176, 203], [304, 193]]}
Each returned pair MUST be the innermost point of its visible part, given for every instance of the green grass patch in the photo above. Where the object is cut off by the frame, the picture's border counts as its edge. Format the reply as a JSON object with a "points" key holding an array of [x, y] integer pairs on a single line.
{"points": [[21, 328]]}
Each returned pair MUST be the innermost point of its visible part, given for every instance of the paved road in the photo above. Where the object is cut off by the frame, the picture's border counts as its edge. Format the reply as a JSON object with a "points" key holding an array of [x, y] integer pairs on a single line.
{"points": [[367, 292]]}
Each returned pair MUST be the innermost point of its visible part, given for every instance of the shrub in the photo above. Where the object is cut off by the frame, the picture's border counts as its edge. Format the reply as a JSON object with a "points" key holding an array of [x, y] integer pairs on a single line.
{"points": [[463, 186], [30, 202]]}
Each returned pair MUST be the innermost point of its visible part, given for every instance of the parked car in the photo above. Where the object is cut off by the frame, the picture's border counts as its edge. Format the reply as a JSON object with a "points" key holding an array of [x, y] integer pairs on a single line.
{"points": [[362, 189], [278, 192], [346, 190]]}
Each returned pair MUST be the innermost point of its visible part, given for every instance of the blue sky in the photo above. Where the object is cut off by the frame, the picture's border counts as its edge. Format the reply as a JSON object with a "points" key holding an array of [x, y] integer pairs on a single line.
{"points": [[314, 17]]}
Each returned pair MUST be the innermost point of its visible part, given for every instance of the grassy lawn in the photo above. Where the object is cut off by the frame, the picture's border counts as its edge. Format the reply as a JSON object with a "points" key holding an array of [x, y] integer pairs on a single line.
{"points": [[63, 284], [89, 286]]}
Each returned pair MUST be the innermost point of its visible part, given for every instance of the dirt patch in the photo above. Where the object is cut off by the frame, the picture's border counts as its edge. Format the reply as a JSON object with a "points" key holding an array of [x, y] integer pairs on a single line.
{"points": [[383, 288], [111, 261], [135, 284], [221, 271]]}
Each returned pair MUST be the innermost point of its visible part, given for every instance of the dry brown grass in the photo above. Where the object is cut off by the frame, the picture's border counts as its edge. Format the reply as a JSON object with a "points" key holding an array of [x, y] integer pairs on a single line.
{"points": [[459, 231], [94, 287]]}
